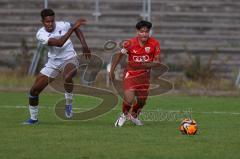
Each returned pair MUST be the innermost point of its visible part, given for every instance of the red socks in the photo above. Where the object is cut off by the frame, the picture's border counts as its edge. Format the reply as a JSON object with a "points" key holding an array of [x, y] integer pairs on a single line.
{"points": [[135, 109], [126, 107]]}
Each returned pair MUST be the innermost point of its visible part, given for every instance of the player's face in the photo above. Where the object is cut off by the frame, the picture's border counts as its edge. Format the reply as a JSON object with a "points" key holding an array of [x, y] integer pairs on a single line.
{"points": [[143, 34], [49, 23]]}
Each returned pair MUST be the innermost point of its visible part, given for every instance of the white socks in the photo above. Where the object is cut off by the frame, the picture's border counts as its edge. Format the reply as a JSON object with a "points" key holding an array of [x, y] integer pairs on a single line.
{"points": [[33, 112], [34, 109], [68, 98]]}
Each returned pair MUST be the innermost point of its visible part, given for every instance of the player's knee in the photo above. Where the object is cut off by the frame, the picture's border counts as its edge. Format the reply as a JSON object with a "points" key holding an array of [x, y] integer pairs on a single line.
{"points": [[34, 92], [68, 79]]}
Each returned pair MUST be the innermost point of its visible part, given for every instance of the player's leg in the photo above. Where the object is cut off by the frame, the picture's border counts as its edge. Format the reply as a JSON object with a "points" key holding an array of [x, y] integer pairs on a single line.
{"points": [[40, 83], [142, 95], [137, 107], [69, 72], [128, 99]]}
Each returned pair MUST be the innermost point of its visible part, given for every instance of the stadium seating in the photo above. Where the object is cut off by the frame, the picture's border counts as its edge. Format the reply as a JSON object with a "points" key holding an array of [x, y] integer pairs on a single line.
{"points": [[197, 26]]}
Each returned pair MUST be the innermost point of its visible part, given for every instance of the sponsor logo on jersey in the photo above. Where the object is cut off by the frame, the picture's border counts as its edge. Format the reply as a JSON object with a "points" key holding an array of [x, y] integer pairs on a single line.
{"points": [[144, 58]]}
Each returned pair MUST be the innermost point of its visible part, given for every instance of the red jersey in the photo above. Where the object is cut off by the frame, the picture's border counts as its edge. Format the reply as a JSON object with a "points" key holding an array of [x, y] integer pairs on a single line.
{"points": [[139, 54]]}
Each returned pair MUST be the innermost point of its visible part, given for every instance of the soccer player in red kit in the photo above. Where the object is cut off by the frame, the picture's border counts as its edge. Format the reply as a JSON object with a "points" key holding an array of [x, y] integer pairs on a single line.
{"points": [[143, 53]]}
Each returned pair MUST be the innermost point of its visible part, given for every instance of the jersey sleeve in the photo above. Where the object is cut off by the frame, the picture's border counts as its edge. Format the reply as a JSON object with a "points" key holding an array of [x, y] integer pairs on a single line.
{"points": [[42, 37], [124, 51], [125, 46]]}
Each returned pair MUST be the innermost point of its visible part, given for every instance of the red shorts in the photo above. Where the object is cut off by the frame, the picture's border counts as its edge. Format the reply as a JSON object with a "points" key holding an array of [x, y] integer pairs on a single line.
{"points": [[139, 83]]}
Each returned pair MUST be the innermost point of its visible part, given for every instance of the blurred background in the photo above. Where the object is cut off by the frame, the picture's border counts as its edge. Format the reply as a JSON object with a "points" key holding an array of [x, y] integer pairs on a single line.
{"points": [[200, 40]]}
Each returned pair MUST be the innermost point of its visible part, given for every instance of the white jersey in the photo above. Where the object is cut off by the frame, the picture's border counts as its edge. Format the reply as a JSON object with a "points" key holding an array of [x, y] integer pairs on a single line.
{"points": [[66, 51]]}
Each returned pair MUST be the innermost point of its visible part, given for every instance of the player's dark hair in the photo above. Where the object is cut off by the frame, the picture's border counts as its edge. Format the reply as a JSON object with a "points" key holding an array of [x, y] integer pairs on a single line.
{"points": [[143, 23], [47, 12]]}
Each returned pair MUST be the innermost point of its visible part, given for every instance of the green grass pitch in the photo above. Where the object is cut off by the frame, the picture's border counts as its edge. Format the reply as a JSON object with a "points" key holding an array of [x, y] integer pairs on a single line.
{"points": [[218, 136]]}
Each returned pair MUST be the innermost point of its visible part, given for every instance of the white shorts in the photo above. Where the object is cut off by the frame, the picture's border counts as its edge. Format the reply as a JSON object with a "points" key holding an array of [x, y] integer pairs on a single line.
{"points": [[55, 66]]}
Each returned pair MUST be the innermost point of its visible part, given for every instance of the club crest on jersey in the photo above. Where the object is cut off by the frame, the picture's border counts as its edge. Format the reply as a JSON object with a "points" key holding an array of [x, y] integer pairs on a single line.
{"points": [[147, 49]]}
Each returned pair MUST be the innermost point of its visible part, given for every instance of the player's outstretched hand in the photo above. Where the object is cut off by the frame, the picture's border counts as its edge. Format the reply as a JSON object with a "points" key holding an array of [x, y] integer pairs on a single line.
{"points": [[79, 22]]}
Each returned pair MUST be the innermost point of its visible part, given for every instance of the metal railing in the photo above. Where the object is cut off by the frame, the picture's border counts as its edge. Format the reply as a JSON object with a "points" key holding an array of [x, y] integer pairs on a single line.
{"points": [[146, 10], [97, 12], [45, 3], [145, 14]]}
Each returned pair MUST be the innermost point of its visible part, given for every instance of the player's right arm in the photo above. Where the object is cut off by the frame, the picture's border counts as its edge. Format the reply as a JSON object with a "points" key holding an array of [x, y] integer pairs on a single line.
{"points": [[60, 42], [115, 62], [118, 57], [86, 50]]}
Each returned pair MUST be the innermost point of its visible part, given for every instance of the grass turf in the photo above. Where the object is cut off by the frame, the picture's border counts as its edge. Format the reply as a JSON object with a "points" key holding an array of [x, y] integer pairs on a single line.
{"points": [[217, 117]]}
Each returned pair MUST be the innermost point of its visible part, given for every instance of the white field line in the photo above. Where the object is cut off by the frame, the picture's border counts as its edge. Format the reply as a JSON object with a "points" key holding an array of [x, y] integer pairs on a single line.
{"points": [[170, 111], [26, 107], [194, 112]]}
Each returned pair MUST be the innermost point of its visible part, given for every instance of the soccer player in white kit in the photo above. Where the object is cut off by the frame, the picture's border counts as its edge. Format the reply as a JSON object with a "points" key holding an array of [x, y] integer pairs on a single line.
{"points": [[62, 58]]}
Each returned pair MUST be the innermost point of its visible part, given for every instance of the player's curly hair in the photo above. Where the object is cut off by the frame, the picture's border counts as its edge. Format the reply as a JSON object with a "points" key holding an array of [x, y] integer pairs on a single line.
{"points": [[47, 12], [143, 23]]}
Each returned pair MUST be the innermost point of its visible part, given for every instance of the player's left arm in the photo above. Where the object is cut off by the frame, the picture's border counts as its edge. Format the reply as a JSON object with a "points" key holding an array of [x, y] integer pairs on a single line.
{"points": [[80, 36]]}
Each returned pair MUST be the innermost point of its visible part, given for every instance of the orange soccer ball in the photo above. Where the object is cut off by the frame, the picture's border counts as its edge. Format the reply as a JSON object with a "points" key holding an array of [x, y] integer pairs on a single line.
{"points": [[188, 127]]}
